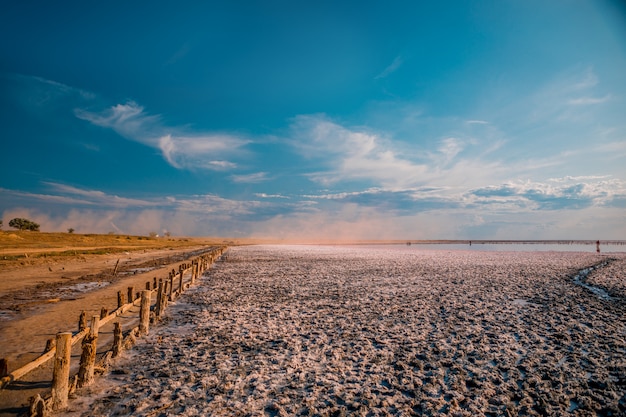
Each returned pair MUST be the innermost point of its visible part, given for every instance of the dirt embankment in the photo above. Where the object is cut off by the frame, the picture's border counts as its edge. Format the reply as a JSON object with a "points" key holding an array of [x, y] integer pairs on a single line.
{"points": [[43, 292]]}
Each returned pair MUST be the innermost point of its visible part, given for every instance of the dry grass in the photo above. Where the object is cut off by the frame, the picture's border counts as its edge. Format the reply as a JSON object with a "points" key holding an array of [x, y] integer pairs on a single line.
{"points": [[18, 240]]}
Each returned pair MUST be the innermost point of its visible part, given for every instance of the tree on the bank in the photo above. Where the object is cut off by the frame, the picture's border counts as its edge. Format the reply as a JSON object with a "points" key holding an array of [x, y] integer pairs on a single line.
{"points": [[1, 224], [70, 230], [24, 224]]}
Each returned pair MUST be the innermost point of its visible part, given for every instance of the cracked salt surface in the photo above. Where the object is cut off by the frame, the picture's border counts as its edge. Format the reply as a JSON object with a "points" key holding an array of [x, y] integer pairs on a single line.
{"points": [[307, 330]]}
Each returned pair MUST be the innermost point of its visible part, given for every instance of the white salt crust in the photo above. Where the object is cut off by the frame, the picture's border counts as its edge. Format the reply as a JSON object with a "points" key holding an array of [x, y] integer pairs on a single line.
{"points": [[332, 331]]}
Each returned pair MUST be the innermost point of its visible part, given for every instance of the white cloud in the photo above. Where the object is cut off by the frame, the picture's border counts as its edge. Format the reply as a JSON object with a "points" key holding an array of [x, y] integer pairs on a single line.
{"points": [[352, 154], [179, 148], [264, 195], [250, 178], [553, 194]]}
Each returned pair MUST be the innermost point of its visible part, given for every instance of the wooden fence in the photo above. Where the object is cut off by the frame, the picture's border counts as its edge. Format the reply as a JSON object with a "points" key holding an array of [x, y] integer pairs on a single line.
{"points": [[60, 347]]}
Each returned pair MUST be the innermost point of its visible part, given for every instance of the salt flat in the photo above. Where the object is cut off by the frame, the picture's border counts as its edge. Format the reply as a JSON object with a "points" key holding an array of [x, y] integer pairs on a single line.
{"points": [[322, 330]]}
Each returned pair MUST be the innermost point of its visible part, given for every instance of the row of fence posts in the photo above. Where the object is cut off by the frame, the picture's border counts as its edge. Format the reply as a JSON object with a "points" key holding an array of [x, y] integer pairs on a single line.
{"points": [[62, 384]]}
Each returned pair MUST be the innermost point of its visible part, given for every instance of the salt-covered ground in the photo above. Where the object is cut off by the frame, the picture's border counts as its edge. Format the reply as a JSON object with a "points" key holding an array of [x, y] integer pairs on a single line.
{"points": [[304, 330], [611, 277]]}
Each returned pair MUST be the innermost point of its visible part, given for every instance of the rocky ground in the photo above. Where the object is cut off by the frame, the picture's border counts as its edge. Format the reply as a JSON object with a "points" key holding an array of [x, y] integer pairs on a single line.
{"points": [[331, 331]]}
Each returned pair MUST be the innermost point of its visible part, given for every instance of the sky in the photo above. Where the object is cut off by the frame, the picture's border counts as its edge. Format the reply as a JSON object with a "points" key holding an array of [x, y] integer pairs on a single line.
{"points": [[495, 119]]}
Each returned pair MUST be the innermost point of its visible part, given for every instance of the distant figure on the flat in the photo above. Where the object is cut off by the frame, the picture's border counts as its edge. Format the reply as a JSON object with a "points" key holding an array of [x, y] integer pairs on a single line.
{"points": [[597, 246]]}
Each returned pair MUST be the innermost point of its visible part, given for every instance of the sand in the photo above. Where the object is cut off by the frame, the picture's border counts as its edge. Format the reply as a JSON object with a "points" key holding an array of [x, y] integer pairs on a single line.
{"points": [[331, 331]]}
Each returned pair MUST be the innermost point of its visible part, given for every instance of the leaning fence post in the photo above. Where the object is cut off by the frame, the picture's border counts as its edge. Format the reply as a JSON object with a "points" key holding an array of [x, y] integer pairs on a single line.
{"points": [[117, 339], [144, 312], [88, 357], [61, 373]]}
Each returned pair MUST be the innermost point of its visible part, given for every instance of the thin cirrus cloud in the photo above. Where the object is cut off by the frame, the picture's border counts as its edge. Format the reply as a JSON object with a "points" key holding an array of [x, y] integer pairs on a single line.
{"points": [[195, 205], [393, 67], [590, 100], [179, 148]]}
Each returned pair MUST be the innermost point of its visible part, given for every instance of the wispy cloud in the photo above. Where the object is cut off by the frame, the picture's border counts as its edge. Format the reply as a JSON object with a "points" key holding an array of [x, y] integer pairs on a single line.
{"points": [[264, 195], [391, 68], [58, 87], [351, 154], [589, 100], [250, 178], [179, 148]]}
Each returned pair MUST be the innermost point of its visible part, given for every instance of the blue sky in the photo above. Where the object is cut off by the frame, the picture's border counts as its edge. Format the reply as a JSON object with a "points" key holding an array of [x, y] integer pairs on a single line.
{"points": [[337, 120]]}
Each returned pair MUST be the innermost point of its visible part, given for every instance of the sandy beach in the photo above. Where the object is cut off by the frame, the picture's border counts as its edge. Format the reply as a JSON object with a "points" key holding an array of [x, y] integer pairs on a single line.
{"points": [[332, 331]]}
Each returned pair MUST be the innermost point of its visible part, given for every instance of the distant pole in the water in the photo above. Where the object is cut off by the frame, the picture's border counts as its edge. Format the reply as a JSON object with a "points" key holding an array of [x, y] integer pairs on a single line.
{"points": [[597, 246]]}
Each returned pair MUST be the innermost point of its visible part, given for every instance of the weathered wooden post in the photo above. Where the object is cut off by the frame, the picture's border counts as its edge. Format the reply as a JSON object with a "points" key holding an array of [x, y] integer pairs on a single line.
{"points": [[4, 367], [82, 321], [88, 357], [120, 299], [171, 287], [103, 313], [37, 407], [61, 373], [159, 300], [180, 283], [131, 296], [148, 286], [144, 312], [115, 269], [50, 344], [118, 337], [154, 283]]}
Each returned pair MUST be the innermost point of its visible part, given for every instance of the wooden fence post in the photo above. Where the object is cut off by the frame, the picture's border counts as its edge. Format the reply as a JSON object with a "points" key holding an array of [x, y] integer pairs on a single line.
{"points": [[37, 406], [103, 313], [50, 343], [154, 283], [171, 288], [61, 373], [159, 300], [88, 357], [118, 337], [131, 296], [180, 283], [148, 286], [120, 299], [82, 321], [4, 367], [144, 312]]}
